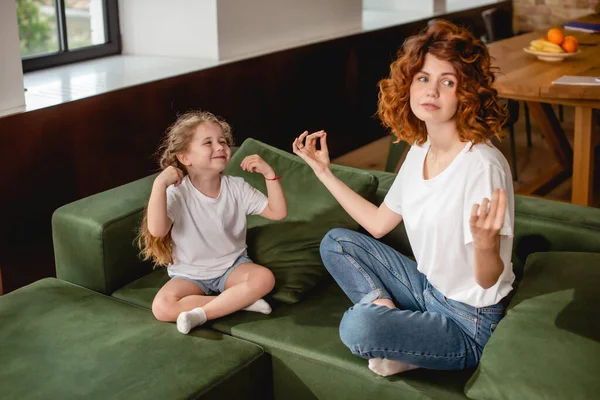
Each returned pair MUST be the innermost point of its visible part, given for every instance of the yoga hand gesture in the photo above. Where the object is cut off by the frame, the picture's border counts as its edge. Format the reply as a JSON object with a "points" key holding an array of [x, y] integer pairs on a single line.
{"points": [[318, 160], [486, 224]]}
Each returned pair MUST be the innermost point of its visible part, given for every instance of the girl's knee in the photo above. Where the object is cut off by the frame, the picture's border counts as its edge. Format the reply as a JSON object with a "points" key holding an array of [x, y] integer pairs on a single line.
{"points": [[162, 309], [262, 281], [359, 326]]}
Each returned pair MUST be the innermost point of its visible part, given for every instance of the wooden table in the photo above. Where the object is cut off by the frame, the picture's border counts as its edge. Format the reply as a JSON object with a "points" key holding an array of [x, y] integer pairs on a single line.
{"points": [[522, 76]]}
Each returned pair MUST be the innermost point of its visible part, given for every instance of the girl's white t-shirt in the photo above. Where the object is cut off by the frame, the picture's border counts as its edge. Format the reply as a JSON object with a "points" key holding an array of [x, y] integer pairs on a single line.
{"points": [[210, 234], [436, 215]]}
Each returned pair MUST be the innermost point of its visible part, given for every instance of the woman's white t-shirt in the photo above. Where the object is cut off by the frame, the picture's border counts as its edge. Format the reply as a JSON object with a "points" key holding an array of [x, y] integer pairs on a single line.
{"points": [[210, 234], [436, 215]]}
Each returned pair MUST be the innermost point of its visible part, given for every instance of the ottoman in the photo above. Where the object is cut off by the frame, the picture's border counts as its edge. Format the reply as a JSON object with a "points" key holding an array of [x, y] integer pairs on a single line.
{"points": [[62, 341]]}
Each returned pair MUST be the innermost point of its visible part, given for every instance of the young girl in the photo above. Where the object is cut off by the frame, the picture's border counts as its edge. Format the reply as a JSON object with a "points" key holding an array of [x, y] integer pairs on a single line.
{"points": [[196, 224], [439, 311]]}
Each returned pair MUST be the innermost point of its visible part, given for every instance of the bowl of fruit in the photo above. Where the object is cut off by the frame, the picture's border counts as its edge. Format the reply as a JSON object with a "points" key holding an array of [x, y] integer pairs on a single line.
{"points": [[554, 47]]}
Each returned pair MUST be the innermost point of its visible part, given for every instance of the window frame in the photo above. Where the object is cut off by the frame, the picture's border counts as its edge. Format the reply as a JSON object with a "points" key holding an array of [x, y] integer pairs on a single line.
{"points": [[68, 56]]}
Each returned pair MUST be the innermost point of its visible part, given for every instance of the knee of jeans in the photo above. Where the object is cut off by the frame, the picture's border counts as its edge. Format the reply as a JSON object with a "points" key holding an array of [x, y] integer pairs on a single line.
{"points": [[358, 326], [331, 240]]}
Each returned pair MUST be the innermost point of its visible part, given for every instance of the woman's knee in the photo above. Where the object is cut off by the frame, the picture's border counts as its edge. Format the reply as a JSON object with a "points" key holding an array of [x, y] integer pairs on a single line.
{"points": [[330, 244], [358, 328]]}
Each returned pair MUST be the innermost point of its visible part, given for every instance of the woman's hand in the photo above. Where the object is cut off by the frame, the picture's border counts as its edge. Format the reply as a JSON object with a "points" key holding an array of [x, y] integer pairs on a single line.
{"points": [[486, 224], [169, 176], [254, 163], [318, 160]]}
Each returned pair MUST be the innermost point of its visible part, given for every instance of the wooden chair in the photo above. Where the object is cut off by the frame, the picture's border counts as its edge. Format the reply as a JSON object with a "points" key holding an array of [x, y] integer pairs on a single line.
{"points": [[498, 26]]}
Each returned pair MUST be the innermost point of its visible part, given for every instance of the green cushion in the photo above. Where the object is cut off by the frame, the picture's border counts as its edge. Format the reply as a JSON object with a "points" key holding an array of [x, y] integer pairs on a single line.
{"points": [[142, 291], [310, 361], [290, 248], [548, 345], [60, 341]]}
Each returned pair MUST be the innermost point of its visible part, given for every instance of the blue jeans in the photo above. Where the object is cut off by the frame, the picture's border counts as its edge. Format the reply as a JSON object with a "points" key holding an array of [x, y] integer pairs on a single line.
{"points": [[427, 329]]}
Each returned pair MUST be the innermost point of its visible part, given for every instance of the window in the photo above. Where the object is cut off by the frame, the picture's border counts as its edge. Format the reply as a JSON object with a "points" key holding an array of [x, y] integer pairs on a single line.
{"points": [[57, 32]]}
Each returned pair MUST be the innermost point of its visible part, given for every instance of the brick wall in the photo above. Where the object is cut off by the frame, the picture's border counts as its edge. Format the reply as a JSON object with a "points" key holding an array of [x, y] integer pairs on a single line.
{"points": [[541, 14]]}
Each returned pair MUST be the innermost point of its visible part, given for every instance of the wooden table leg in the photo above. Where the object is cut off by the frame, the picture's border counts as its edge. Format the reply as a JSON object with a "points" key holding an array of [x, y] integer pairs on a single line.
{"points": [[559, 145], [553, 132], [583, 157]]}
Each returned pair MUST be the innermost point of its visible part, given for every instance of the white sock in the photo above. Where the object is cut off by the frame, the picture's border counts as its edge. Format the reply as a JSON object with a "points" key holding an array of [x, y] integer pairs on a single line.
{"points": [[385, 367], [260, 306], [188, 320]]}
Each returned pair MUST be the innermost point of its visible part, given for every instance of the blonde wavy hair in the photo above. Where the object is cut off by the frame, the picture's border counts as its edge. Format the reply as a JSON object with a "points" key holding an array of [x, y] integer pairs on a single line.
{"points": [[176, 141], [480, 114]]}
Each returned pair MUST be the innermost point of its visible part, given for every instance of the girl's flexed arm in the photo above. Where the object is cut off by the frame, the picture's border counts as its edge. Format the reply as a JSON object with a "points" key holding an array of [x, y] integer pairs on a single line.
{"points": [[158, 221], [276, 209], [378, 221]]}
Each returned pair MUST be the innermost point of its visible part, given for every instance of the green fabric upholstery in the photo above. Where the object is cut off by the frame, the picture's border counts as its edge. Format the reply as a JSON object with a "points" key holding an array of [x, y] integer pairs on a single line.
{"points": [[548, 344], [307, 358], [290, 248], [310, 361], [304, 343], [93, 237], [60, 341], [142, 291], [544, 225]]}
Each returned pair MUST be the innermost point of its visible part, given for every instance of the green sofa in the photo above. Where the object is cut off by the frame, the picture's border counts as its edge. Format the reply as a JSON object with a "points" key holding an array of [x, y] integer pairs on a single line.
{"points": [[94, 335]]}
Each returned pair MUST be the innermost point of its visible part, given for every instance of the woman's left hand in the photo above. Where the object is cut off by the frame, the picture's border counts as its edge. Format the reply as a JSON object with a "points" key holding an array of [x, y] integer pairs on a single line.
{"points": [[255, 163], [487, 220]]}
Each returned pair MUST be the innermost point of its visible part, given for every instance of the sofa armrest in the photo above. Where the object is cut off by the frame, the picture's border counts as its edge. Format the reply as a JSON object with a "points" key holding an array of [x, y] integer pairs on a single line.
{"points": [[94, 237]]}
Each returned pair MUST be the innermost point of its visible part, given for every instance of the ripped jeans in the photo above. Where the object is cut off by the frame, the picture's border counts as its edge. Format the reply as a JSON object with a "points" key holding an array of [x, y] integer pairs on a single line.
{"points": [[427, 329]]}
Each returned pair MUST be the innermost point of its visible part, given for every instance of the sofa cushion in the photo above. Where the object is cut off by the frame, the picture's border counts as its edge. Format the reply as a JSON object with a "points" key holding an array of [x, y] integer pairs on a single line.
{"points": [[60, 341], [310, 361], [548, 344], [290, 248]]}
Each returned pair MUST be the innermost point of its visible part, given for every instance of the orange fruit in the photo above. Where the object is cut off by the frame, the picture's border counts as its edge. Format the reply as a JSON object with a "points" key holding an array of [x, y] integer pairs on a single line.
{"points": [[556, 36], [572, 38], [570, 45]]}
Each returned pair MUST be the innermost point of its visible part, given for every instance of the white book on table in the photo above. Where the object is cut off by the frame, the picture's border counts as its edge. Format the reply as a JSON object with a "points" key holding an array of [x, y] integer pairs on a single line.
{"points": [[577, 80]]}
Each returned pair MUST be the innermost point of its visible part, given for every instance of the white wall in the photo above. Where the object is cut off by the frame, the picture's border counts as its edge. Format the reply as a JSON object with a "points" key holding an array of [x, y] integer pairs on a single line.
{"points": [[436, 6], [248, 27], [225, 29], [178, 28], [12, 96]]}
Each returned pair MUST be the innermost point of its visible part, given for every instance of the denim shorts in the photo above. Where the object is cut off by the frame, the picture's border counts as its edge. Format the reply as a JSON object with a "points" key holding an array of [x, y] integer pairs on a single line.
{"points": [[215, 285]]}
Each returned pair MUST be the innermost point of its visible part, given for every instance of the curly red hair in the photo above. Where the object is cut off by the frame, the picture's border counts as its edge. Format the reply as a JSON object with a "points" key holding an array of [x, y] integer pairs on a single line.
{"points": [[479, 116]]}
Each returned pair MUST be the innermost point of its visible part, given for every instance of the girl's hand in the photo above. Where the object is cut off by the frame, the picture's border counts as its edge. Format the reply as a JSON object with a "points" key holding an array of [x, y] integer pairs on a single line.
{"points": [[170, 176], [486, 225], [318, 160], [255, 163]]}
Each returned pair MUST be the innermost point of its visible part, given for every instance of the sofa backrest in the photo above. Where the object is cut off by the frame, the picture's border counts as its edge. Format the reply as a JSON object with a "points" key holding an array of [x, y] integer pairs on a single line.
{"points": [[93, 237]]}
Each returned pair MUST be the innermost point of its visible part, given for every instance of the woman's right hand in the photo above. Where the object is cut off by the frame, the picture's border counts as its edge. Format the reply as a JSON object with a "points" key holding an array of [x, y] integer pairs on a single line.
{"points": [[318, 160], [170, 176]]}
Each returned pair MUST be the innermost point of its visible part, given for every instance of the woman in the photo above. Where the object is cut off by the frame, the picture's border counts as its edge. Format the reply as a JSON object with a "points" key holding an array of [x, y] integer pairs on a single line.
{"points": [[453, 192]]}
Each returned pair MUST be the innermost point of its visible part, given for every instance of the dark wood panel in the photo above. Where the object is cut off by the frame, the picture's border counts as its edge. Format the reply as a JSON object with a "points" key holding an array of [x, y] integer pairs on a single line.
{"points": [[59, 154]]}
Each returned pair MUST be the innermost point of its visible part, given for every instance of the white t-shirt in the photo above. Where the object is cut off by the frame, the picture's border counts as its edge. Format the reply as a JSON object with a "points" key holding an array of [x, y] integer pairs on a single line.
{"points": [[436, 215], [210, 234]]}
